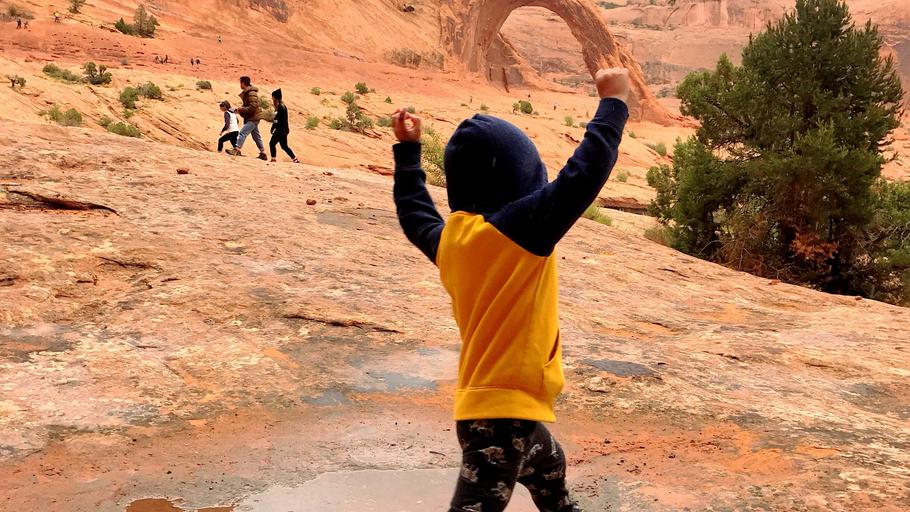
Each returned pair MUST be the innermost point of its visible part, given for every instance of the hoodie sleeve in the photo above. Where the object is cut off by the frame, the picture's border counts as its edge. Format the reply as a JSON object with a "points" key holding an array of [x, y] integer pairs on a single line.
{"points": [[538, 221], [227, 121], [417, 213]]}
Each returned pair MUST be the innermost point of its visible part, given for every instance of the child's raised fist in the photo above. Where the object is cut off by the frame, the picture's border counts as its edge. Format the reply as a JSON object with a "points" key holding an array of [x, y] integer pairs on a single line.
{"points": [[404, 131], [613, 83]]}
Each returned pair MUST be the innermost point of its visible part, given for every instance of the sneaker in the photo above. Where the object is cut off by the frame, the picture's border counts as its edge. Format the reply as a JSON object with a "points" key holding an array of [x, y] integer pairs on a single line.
{"points": [[233, 152], [263, 157], [274, 161], [296, 161]]}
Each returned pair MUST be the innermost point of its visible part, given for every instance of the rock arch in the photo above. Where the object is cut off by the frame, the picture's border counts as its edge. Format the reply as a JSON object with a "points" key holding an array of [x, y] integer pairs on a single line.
{"points": [[471, 31]]}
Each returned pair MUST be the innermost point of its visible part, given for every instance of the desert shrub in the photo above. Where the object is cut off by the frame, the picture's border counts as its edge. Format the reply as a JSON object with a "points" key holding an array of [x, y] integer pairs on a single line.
{"points": [[660, 148], [124, 27], [361, 88], [71, 117], [348, 98], [583, 125], [339, 124], [569, 121], [14, 11], [433, 157], [408, 58], [315, 91], [660, 235], [388, 99], [783, 176], [105, 121], [54, 71], [204, 85], [128, 97], [96, 75], [124, 129], [594, 213], [484, 108], [384, 122], [312, 122], [76, 6], [411, 110], [609, 5], [357, 120], [15, 80], [265, 103], [523, 106], [151, 91], [622, 176], [632, 135], [128, 114], [124, 62], [144, 24]]}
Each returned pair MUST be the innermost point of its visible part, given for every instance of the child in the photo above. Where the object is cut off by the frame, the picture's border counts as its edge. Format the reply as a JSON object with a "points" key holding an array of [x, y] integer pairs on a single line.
{"points": [[496, 259], [231, 127], [280, 128]]}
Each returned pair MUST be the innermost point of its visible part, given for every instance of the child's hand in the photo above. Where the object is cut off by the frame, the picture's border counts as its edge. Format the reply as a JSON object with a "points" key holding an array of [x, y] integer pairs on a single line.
{"points": [[403, 131], [613, 83]]}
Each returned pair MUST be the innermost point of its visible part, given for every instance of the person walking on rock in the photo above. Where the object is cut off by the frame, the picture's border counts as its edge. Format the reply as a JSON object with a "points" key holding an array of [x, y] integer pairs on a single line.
{"points": [[251, 112], [18, 23], [496, 258], [231, 127], [280, 128]]}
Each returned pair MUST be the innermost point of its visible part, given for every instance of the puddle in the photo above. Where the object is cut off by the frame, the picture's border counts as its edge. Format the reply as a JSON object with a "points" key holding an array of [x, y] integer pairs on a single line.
{"points": [[416, 490], [621, 368], [162, 505]]}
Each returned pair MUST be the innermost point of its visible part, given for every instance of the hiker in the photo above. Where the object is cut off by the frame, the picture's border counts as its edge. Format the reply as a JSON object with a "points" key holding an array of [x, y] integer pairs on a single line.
{"points": [[18, 23], [251, 112], [496, 260], [231, 127], [157, 60], [26, 24], [280, 128], [165, 60], [56, 17]]}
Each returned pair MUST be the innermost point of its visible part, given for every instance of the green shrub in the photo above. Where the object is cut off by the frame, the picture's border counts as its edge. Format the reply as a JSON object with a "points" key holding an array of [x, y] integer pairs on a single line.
{"points": [[409, 58], [622, 176], [484, 108], [128, 114], [151, 91], [611, 5], [433, 157], [105, 121], [660, 148], [144, 24], [356, 118], [361, 88], [96, 75], [348, 98], [523, 106], [594, 213], [76, 6], [632, 135], [312, 122], [54, 71], [265, 103], [583, 125], [388, 99], [124, 129], [315, 91], [782, 178], [569, 121], [384, 122], [124, 27], [71, 117], [411, 110], [204, 85], [129, 96], [339, 124]]}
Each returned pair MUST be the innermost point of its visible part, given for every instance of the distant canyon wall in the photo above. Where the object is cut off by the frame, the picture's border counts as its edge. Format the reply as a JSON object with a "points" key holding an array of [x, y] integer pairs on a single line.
{"points": [[750, 14]]}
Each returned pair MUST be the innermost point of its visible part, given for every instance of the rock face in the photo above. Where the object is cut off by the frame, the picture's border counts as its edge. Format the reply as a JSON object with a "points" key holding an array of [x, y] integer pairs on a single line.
{"points": [[471, 31], [708, 13]]}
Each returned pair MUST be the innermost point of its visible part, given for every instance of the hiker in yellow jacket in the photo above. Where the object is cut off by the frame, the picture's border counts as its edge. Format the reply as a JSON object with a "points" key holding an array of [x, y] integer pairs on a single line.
{"points": [[496, 259]]}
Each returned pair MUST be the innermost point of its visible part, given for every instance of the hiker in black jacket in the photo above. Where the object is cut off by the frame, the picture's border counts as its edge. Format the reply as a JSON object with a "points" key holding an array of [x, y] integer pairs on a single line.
{"points": [[280, 128]]}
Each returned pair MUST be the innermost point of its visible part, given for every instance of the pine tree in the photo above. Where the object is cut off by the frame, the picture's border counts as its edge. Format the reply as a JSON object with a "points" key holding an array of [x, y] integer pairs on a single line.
{"points": [[780, 178]]}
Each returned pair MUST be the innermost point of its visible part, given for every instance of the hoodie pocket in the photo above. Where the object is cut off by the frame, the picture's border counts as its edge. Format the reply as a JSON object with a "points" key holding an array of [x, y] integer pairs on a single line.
{"points": [[553, 378]]}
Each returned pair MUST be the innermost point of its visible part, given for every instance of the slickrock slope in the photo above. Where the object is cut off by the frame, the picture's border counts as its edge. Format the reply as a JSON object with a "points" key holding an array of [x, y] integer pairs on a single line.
{"points": [[216, 340]]}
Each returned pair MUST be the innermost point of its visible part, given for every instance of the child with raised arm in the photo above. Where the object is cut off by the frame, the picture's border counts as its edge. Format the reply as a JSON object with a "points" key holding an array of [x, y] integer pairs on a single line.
{"points": [[496, 260]]}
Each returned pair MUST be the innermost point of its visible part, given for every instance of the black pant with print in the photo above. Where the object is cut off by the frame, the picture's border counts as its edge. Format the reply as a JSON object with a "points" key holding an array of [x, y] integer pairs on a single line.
{"points": [[497, 454]]}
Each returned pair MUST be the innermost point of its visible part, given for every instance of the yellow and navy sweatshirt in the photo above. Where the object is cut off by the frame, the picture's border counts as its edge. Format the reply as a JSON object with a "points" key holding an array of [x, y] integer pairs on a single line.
{"points": [[496, 252]]}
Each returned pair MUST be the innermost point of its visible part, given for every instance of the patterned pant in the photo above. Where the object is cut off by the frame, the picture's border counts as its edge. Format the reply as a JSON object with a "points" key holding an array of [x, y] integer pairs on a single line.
{"points": [[497, 454]]}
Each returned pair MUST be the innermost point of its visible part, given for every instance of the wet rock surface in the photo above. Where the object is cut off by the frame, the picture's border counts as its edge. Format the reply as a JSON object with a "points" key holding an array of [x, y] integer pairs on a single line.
{"points": [[218, 339]]}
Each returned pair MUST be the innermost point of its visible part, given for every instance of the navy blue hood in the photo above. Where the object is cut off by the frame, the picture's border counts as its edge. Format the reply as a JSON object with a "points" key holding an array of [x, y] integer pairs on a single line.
{"points": [[490, 163]]}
